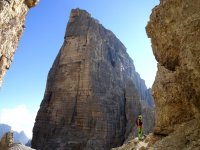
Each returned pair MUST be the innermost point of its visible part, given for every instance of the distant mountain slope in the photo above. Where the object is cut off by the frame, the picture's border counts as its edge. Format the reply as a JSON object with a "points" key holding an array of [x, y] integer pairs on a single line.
{"points": [[28, 143], [20, 137]]}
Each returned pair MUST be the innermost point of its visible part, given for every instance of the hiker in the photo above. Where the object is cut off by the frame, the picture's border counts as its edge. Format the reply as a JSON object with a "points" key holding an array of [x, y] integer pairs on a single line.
{"points": [[139, 127]]}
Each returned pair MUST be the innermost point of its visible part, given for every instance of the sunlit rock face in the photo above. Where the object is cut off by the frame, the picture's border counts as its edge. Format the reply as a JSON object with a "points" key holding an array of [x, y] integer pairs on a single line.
{"points": [[31, 3], [93, 93], [12, 14], [7, 143], [174, 29]]}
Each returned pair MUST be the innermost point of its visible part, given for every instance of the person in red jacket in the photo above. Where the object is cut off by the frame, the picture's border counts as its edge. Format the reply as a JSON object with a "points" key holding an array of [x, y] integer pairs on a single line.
{"points": [[139, 127]]}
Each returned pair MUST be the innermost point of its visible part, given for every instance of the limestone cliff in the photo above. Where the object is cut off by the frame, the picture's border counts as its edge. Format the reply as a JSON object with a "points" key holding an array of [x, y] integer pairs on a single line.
{"points": [[19, 137], [12, 14], [93, 93], [7, 143], [174, 29], [3, 129]]}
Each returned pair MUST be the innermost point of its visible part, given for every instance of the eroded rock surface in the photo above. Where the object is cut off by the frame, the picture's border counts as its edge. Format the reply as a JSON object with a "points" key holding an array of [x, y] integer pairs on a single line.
{"points": [[136, 144], [7, 143], [93, 93], [20, 147], [174, 29], [12, 14]]}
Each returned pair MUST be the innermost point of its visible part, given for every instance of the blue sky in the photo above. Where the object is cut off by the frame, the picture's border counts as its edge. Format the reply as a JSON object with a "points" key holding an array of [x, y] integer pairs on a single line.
{"points": [[24, 84]]}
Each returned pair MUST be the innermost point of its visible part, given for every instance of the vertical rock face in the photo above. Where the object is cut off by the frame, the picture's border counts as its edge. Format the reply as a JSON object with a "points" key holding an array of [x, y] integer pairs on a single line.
{"points": [[12, 14], [93, 94], [6, 141], [174, 30]]}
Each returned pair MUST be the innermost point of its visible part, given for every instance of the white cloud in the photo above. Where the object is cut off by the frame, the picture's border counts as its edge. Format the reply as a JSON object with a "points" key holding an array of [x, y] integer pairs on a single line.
{"points": [[19, 118]]}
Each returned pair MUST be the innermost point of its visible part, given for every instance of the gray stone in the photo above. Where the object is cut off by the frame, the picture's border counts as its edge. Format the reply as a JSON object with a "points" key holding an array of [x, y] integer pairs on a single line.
{"points": [[93, 93]]}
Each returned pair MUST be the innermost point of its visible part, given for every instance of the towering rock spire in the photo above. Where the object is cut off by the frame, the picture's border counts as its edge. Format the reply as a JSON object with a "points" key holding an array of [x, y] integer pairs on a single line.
{"points": [[91, 99]]}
